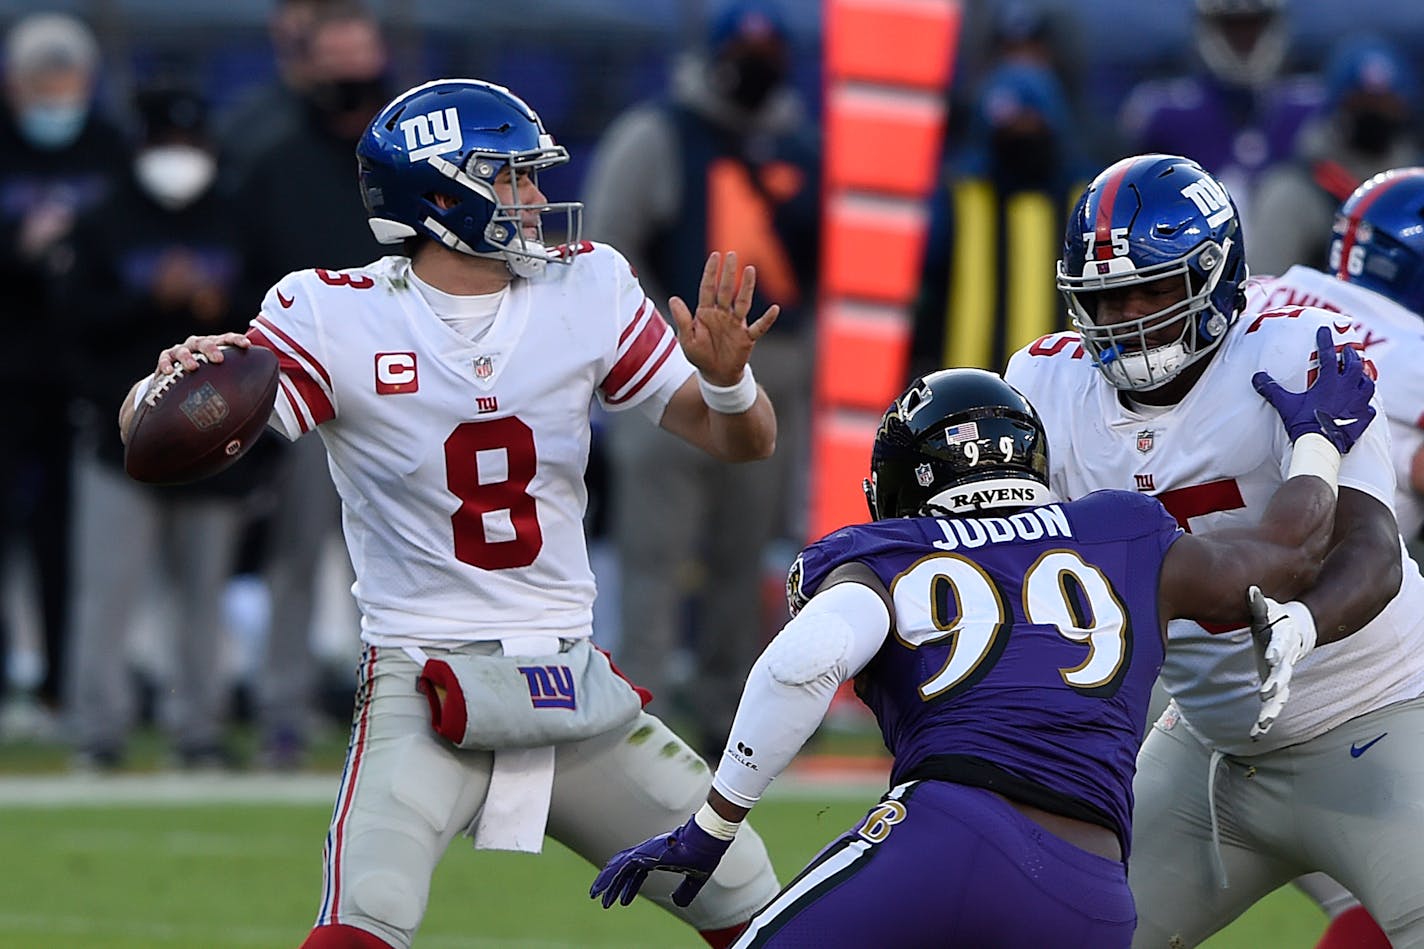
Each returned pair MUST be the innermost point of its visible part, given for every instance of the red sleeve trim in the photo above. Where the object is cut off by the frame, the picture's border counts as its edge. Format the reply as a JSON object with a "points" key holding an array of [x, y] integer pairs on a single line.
{"points": [[313, 396], [295, 347], [295, 403], [653, 371], [633, 323], [643, 347]]}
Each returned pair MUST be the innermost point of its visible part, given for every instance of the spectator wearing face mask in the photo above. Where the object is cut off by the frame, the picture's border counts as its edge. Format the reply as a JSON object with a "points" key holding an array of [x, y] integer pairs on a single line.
{"points": [[273, 110], [296, 206], [157, 260], [297, 210], [726, 161], [988, 279], [57, 158], [1364, 129]]}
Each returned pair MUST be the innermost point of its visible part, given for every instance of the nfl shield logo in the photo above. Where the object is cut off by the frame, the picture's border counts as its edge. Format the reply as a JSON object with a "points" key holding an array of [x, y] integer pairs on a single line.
{"points": [[484, 367], [205, 407], [1144, 440], [924, 474]]}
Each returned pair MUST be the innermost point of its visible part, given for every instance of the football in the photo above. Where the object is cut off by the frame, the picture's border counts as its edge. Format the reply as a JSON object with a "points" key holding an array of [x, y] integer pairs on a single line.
{"points": [[191, 425]]}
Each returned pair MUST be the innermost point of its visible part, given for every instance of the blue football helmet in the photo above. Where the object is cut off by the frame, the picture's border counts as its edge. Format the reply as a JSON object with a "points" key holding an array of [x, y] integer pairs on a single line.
{"points": [[1378, 239], [453, 137], [1147, 218]]}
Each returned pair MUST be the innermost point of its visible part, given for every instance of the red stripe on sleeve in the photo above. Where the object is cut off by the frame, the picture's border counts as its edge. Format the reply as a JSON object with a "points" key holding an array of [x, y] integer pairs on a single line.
{"points": [[638, 387], [295, 346], [628, 330], [310, 391], [294, 403], [642, 349]]}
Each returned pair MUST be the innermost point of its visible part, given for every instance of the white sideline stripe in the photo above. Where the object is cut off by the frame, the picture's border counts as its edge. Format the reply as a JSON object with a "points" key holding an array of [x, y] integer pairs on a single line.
{"points": [[149, 790]]}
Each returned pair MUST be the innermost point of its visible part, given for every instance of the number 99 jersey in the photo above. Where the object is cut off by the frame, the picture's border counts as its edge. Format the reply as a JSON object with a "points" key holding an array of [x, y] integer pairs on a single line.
{"points": [[460, 462], [1023, 648]]}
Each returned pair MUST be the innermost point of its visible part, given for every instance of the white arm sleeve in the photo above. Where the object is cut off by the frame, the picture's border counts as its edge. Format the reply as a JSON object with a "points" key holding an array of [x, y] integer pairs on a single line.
{"points": [[791, 685]]}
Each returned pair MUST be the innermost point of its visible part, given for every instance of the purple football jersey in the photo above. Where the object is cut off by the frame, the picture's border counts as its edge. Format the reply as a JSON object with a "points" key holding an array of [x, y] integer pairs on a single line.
{"points": [[1024, 647]]}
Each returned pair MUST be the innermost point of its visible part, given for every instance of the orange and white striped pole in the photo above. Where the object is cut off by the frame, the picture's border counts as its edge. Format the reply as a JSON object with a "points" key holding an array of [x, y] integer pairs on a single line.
{"points": [[888, 64]]}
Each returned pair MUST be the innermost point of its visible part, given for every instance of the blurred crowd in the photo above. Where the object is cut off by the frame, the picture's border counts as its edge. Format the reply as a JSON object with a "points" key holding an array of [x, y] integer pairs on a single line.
{"points": [[130, 224]]}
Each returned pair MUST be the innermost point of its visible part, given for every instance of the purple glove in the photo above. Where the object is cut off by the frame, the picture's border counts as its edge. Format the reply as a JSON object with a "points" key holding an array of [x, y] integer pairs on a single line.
{"points": [[689, 850], [1337, 405]]}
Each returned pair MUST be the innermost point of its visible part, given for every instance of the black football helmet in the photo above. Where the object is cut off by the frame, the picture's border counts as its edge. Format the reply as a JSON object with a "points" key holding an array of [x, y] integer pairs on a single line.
{"points": [[957, 441]]}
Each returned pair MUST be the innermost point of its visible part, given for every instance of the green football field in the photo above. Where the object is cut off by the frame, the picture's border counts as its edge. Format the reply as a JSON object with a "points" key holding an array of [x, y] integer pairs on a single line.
{"points": [[110, 865]]}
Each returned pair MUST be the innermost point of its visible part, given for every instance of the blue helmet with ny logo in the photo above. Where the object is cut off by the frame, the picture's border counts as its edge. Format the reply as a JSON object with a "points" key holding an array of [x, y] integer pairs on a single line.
{"points": [[1378, 239], [452, 138], [1143, 220]]}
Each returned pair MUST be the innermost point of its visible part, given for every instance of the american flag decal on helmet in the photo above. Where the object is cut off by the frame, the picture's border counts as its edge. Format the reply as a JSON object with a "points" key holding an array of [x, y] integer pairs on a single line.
{"points": [[963, 432]]}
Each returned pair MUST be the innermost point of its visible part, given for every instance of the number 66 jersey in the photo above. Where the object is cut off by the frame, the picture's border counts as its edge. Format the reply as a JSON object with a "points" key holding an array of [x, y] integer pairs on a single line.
{"points": [[460, 462]]}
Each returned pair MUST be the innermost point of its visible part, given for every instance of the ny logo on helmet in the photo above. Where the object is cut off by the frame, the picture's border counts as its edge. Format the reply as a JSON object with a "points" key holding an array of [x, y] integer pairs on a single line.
{"points": [[433, 133], [1211, 199]]}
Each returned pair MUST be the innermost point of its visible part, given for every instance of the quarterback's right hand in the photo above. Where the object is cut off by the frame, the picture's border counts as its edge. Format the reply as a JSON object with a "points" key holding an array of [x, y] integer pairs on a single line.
{"points": [[1284, 634], [1337, 404], [185, 353]]}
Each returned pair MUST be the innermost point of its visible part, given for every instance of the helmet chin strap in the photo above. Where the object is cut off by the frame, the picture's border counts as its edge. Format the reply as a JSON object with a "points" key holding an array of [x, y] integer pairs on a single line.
{"points": [[448, 237]]}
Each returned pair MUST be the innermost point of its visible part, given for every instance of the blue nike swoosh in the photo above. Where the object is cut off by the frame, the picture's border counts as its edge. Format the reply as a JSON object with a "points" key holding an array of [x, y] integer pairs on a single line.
{"points": [[1357, 749]]}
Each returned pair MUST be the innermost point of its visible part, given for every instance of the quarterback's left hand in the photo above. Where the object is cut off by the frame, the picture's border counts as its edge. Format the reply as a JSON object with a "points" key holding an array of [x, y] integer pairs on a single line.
{"points": [[689, 850], [1284, 634], [717, 338]]}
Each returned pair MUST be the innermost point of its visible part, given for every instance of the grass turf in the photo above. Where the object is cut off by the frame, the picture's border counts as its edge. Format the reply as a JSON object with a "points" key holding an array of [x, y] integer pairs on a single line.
{"points": [[240, 877]]}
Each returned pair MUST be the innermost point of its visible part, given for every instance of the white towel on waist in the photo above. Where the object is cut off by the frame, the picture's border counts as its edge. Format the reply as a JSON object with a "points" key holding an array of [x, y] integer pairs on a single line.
{"points": [[516, 808]]}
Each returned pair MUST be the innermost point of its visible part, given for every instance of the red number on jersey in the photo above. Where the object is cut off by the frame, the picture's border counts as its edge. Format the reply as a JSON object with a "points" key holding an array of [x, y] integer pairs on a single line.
{"points": [[478, 498], [1196, 500], [573, 250], [1368, 365], [1282, 313], [1055, 343], [343, 279]]}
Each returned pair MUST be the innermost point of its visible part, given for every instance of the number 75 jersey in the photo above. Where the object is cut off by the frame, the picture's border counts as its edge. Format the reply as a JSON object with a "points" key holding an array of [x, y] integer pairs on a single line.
{"points": [[1214, 460], [460, 463]]}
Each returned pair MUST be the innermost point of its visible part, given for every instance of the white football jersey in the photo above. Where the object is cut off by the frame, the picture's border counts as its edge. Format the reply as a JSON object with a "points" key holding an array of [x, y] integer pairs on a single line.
{"points": [[1393, 339], [460, 464], [1214, 460]]}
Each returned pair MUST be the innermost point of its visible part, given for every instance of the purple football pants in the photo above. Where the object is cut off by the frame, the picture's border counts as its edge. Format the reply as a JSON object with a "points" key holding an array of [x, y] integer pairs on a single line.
{"points": [[942, 865]]}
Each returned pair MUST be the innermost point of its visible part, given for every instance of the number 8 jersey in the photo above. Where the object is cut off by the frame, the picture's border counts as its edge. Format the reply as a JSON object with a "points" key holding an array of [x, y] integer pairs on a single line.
{"points": [[460, 463]]}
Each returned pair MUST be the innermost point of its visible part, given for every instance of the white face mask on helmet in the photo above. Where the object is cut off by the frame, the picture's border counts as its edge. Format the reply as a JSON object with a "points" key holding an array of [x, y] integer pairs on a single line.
{"points": [[175, 175]]}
